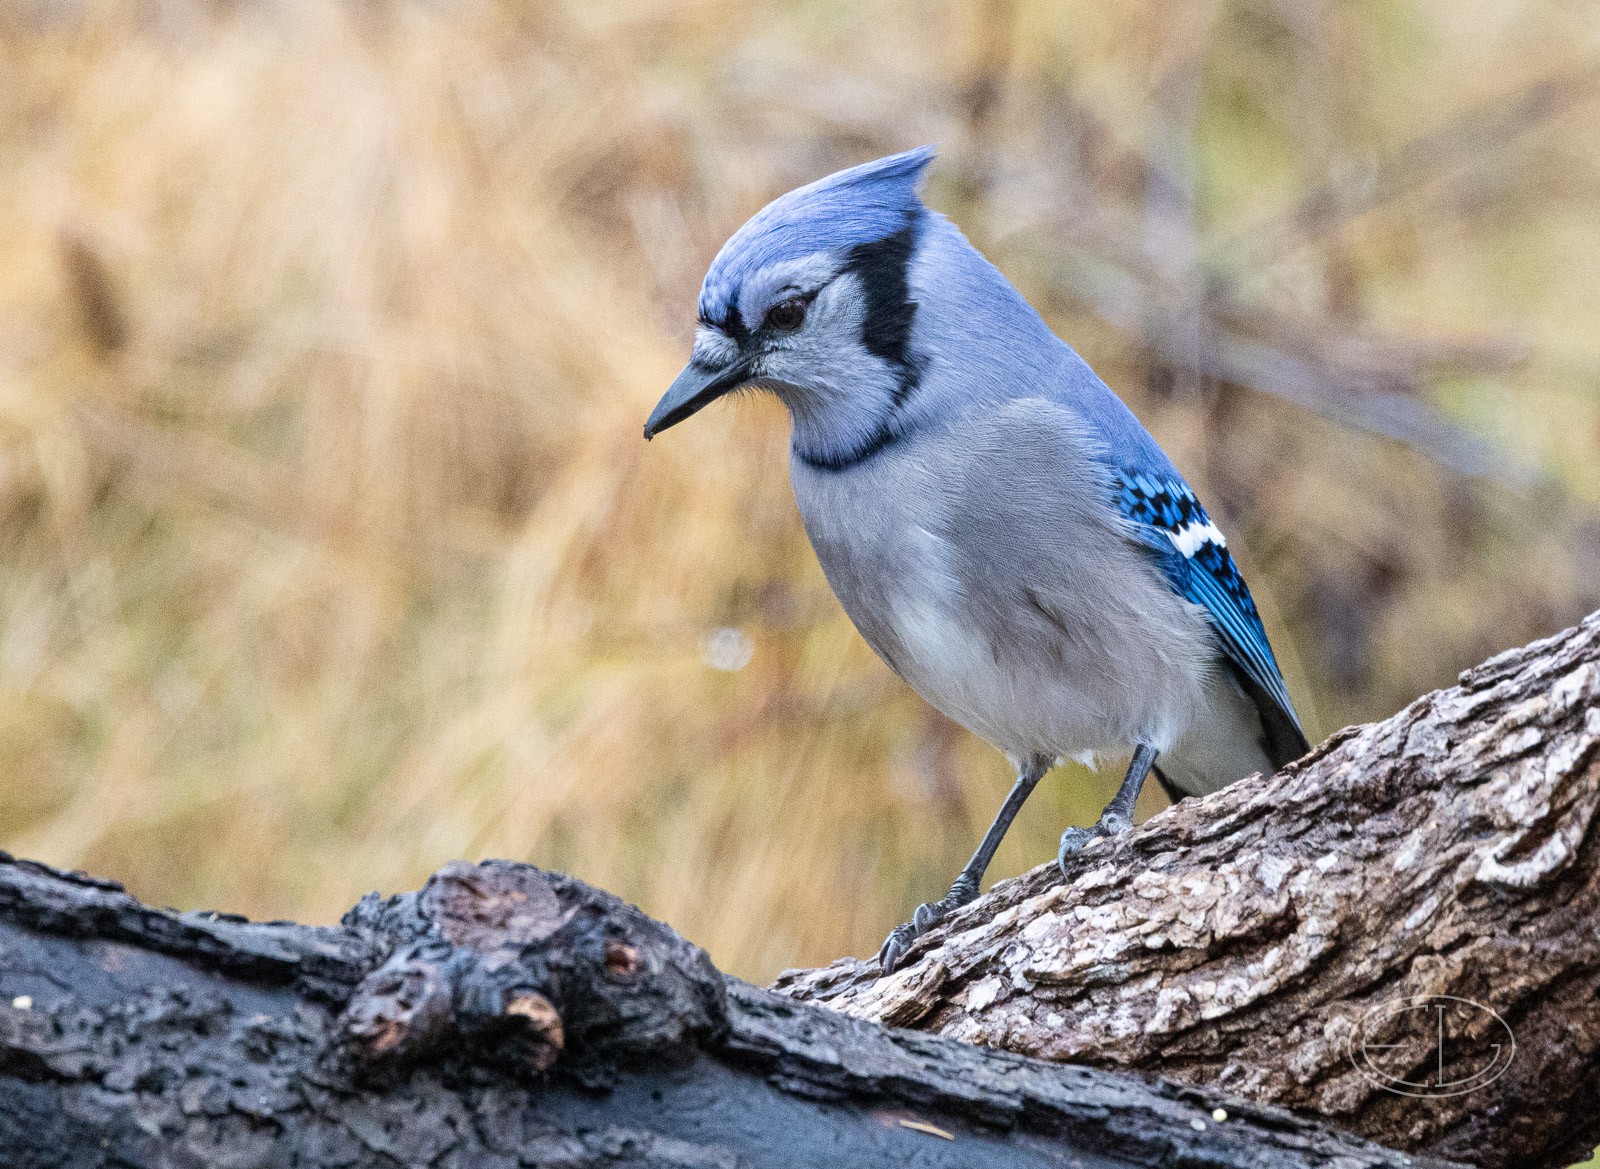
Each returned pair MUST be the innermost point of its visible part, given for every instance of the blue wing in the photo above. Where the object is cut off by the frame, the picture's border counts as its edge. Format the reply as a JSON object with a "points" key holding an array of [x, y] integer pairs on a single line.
{"points": [[1192, 554]]}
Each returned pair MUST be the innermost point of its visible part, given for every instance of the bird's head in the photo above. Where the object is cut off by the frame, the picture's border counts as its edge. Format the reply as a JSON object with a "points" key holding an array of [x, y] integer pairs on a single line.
{"points": [[811, 300]]}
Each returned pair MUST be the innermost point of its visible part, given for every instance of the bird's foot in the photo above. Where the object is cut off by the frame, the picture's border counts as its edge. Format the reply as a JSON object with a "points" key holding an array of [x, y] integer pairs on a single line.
{"points": [[928, 915], [1073, 839]]}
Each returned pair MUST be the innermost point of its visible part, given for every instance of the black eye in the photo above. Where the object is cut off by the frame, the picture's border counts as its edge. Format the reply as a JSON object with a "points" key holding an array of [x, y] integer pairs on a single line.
{"points": [[786, 316]]}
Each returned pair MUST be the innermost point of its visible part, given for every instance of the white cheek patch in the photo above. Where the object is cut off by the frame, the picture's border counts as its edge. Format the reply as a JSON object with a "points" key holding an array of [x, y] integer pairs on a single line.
{"points": [[712, 348], [1194, 535], [844, 301]]}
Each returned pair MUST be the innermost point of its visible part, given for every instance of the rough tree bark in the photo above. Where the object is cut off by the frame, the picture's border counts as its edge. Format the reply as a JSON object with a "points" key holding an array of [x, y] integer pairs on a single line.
{"points": [[1369, 923], [1246, 944]]}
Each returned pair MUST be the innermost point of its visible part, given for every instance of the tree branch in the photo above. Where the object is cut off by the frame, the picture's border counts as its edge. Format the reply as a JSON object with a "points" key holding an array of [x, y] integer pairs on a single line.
{"points": [[1269, 939], [1255, 946], [505, 1016]]}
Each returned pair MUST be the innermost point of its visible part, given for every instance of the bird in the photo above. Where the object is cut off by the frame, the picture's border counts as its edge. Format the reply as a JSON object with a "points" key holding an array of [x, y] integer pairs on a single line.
{"points": [[998, 525]]}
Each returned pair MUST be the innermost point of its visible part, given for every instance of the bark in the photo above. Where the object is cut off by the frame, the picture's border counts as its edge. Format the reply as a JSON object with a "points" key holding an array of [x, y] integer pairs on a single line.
{"points": [[503, 1017], [1254, 946], [1350, 938]]}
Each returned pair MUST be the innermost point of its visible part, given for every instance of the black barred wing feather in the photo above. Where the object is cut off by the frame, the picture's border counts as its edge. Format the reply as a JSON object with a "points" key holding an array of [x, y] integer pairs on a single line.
{"points": [[1194, 557]]}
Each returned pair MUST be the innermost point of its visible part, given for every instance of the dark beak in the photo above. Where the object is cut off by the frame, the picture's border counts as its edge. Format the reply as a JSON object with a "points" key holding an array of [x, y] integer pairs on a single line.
{"points": [[694, 388]]}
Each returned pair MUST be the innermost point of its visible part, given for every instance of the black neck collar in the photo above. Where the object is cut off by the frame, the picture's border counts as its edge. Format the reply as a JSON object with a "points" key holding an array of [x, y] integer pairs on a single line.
{"points": [[878, 440]]}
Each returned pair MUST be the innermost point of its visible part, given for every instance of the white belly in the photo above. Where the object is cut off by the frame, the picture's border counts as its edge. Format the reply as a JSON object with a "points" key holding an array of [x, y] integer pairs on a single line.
{"points": [[1028, 700]]}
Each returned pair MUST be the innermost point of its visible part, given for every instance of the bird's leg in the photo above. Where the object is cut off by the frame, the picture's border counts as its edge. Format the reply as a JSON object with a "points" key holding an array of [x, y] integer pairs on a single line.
{"points": [[965, 887], [1118, 814]]}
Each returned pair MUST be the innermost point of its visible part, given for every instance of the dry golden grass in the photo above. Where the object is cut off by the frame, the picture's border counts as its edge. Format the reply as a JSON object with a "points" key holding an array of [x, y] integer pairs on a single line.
{"points": [[332, 551]]}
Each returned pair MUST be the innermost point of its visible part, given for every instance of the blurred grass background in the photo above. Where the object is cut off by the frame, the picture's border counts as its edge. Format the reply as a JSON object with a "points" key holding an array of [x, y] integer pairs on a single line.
{"points": [[329, 548]]}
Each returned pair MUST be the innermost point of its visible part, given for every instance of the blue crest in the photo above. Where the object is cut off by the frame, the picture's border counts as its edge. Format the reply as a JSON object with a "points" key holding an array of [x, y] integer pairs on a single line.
{"points": [[860, 205]]}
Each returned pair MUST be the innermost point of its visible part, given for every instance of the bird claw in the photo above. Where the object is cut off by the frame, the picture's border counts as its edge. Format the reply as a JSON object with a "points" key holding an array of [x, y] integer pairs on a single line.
{"points": [[1073, 840], [928, 915], [895, 946]]}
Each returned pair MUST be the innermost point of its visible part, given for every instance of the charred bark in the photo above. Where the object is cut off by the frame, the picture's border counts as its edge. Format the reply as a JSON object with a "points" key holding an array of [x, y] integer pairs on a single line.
{"points": [[1348, 939]]}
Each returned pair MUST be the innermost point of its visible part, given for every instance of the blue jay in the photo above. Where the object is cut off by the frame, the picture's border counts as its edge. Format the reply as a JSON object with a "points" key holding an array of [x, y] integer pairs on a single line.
{"points": [[997, 524]]}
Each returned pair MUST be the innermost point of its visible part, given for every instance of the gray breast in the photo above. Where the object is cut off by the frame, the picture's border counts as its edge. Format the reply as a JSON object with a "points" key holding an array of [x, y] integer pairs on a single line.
{"points": [[982, 561]]}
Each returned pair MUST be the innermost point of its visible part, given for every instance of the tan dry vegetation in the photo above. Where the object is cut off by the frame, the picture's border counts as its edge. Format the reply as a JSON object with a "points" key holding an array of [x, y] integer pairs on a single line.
{"points": [[332, 551]]}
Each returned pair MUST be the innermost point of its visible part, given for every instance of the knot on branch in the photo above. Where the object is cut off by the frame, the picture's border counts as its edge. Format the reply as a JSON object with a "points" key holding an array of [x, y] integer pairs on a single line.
{"points": [[516, 966]]}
